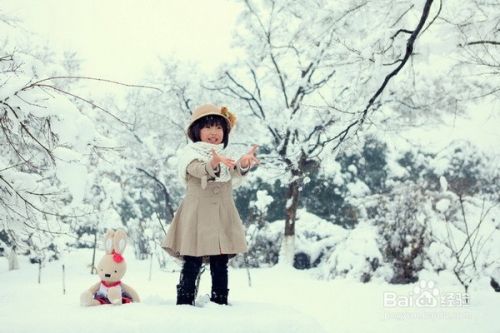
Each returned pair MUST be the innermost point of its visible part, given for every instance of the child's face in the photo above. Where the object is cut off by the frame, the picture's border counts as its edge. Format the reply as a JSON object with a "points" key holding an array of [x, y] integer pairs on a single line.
{"points": [[213, 134]]}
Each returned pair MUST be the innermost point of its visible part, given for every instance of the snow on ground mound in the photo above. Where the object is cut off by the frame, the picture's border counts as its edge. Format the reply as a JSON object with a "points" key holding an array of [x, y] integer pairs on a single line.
{"points": [[278, 300], [58, 314], [26, 306]]}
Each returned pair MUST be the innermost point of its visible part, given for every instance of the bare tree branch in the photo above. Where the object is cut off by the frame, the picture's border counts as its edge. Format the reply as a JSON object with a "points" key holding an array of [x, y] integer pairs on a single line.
{"points": [[168, 199], [25, 128], [93, 79], [256, 82], [435, 17], [409, 51], [28, 203], [267, 34], [479, 42], [81, 99], [400, 31], [252, 97], [468, 235], [402, 15]]}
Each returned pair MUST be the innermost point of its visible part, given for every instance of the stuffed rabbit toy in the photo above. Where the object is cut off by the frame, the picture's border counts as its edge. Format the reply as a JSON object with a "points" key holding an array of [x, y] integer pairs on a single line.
{"points": [[111, 269]]}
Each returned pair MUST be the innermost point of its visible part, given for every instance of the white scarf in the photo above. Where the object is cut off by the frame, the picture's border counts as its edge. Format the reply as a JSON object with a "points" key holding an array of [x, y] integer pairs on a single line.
{"points": [[201, 151]]}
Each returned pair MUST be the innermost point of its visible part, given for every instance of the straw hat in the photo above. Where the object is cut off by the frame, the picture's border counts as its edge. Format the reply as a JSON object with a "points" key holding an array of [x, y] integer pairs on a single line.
{"points": [[210, 109]]}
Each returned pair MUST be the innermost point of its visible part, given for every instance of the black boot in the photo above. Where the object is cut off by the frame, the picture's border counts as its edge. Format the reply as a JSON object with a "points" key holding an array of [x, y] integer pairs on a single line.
{"points": [[218, 270], [219, 296], [184, 296], [186, 289], [495, 285]]}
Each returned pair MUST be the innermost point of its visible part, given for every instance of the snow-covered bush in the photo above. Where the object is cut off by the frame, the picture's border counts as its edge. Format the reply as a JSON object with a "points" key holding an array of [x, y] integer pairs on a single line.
{"points": [[452, 197], [465, 239], [403, 234], [263, 246], [466, 206], [357, 256], [315, 239]]}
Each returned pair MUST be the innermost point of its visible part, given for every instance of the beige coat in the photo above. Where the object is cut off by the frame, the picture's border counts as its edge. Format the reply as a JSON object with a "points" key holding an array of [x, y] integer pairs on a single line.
{"points": [[206, 222]]}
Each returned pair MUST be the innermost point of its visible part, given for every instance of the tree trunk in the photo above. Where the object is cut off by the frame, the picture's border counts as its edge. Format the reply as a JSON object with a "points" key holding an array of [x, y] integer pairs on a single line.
{"points": [[64, 279], [40, 271], [150, 267], [13, 262], [287, 250], [93, 268]]}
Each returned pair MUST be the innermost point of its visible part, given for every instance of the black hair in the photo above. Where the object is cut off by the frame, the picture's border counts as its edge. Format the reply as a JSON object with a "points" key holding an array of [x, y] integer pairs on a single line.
{"points": [[210, 120]]}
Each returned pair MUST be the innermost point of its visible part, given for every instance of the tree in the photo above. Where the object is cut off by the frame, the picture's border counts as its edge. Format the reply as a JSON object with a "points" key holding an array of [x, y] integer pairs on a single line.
{"points": [[40, 146], [479, 47], [50, 141], [312, 76]]}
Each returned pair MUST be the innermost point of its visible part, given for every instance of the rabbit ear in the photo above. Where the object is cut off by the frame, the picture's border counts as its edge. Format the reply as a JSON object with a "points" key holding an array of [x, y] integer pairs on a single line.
{"points": [[108, 241], [119, 241]]}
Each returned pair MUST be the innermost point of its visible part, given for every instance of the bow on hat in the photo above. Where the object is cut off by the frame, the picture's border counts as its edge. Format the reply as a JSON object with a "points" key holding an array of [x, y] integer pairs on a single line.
{"points": [[229, 115]]}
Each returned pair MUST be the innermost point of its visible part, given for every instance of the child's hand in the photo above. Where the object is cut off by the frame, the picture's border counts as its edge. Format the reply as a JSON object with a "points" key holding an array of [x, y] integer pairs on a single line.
{"points": [[249, 159], [216, 159]]}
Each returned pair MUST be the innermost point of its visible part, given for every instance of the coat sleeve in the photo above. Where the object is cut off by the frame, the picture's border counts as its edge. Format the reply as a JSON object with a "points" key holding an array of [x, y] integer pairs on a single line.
{"points": [[239, 171], [201, 169]]}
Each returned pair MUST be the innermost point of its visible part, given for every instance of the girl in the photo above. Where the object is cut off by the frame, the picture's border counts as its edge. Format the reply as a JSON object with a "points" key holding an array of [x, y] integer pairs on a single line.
{"points": [[206, 224]]}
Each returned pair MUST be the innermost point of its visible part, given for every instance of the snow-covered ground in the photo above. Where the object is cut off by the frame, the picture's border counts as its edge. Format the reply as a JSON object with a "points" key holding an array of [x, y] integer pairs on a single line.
{"points": [[279, 300]]}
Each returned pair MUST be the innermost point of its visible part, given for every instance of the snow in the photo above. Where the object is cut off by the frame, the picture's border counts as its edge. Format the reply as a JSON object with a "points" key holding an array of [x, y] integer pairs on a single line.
{"points": [[22, 180], [281, 299], [353, 254], [352, 168], [440, 165], [395, 169], [74, 176], [338, 180], [10, 86], [443, 183], [496, 274], [443, 205], [358, 189], [263, 200]]}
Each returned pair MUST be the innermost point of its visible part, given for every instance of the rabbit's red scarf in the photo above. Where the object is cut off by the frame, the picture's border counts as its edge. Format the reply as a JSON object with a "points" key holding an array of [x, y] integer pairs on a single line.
{"points": [[110, 284]]}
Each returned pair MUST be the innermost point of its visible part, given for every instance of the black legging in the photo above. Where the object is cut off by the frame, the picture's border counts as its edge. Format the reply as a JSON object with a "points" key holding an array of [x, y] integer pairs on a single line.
{"points": [[218, 271], [189, 273]]}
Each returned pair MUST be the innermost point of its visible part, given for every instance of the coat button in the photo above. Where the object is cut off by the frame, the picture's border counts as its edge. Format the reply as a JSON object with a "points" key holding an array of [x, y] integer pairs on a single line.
{"points": [[216, 190]]}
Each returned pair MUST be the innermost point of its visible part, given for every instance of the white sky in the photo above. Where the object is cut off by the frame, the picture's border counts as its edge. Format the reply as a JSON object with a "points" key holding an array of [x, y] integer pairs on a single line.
{"points": [[120, 39]]}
